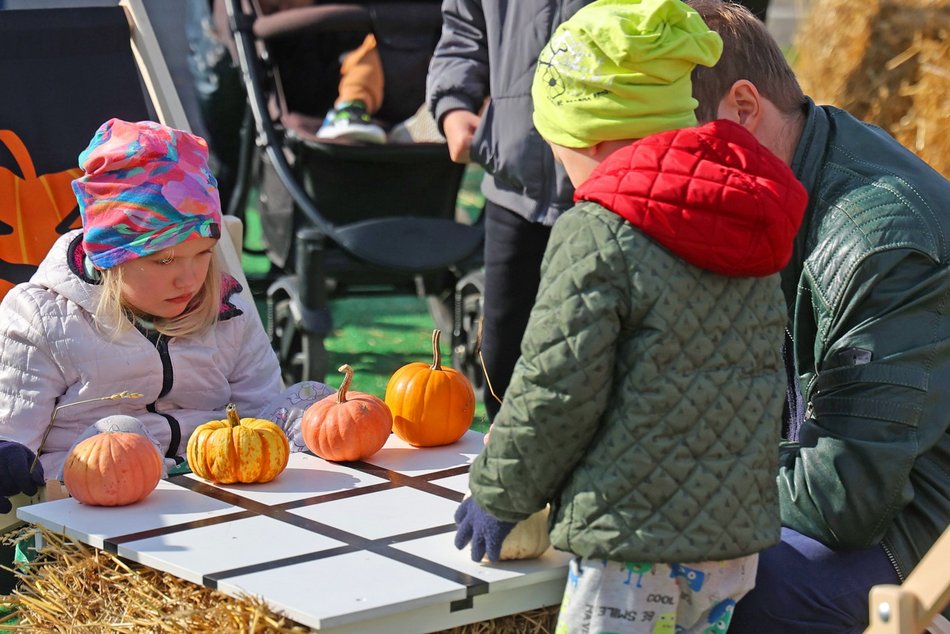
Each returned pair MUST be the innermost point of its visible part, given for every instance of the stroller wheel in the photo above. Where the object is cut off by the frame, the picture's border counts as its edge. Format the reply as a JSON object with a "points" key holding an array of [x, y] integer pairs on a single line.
{"points": [[302, 355], [442, 310], [439, 291], [466, 335]]}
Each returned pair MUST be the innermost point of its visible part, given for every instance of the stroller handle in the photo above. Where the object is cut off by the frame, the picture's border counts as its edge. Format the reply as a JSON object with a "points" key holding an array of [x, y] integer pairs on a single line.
{"points": [[327, 17], [345, 17], [241, 27]]}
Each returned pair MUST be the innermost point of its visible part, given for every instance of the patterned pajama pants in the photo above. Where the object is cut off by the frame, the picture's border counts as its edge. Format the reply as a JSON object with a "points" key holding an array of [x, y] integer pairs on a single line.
{"points": [[610, 597]]}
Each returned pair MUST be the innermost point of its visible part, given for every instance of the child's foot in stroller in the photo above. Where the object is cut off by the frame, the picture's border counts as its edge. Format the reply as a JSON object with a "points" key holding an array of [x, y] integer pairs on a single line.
{"points": [[350, 120]]}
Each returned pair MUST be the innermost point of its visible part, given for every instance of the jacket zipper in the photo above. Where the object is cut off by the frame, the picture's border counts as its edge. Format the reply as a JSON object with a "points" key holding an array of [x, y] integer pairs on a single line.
{"points": [[809, 407], [161, 345], [893, 560], [809, 411]]}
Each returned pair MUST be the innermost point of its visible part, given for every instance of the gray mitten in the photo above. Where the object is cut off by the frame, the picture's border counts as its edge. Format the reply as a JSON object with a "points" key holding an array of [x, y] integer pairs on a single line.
{"points": [[129, 424], [287, 409]]}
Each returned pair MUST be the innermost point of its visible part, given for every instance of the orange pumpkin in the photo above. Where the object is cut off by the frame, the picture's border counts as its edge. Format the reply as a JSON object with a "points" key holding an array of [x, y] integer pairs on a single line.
{"points": [[39, 209], [112, 469], [431, 405], [351, 426], [238, 449]]}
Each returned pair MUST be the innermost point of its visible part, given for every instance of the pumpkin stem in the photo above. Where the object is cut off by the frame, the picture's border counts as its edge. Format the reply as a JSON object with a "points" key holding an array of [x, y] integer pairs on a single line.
{"points": [[20, 154], [347, 379], [436, 353], [233, 419]]}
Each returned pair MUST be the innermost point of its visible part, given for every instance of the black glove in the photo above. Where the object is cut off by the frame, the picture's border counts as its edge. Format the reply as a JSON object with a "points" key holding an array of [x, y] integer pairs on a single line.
{"points": [[484, 531], [15, 476]]}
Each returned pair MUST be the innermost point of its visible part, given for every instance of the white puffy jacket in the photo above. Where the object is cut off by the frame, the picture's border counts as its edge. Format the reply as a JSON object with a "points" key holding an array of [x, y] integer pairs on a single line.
{"points": [[52, 354]]}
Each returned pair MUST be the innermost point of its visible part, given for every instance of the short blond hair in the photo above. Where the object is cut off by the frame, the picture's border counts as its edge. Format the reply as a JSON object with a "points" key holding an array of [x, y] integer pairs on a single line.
{"points": [[748, 52], [201, 314]]}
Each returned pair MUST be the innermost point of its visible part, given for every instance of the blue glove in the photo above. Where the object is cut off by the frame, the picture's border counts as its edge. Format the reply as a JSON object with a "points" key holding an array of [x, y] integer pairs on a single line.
{"points": [[15, 476], [484, 531]]}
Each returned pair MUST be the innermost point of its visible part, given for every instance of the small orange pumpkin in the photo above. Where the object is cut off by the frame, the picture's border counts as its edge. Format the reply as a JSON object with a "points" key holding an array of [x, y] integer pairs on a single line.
{"points": [[112, 469], [238, 449], [431, 405], [352, 426]]}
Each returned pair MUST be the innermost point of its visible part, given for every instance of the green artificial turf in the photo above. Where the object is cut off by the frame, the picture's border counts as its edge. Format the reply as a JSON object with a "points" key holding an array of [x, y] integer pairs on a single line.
{"points": [[376, 335]]}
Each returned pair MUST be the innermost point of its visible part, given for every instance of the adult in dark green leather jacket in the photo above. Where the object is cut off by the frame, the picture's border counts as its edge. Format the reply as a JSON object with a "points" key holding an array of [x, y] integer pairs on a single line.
{"points": [[864, 477]]}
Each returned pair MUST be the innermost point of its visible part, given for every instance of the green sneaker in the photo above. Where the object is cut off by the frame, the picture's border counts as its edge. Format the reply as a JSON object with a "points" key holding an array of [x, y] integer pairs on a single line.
{"points": [[350, 121]]}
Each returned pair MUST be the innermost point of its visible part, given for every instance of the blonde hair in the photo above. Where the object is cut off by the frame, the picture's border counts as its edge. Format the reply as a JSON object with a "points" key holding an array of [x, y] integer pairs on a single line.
{"points": [[748, 52], [200, 314]]}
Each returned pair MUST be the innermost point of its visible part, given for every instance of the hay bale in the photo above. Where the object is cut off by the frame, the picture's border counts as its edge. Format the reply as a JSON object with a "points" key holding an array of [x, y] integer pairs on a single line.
{"points": [[885, 61], [540, 621], [72, 584]]}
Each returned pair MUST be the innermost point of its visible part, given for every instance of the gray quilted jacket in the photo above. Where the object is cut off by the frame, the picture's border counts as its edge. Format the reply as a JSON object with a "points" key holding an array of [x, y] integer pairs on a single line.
{"points": [[490, 48], [647, 401], [52, 353]]}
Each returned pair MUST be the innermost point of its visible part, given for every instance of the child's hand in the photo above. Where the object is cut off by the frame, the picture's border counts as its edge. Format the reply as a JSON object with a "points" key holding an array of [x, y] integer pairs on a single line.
{"points": [[486, 533], [15, 475], [487, 434]]}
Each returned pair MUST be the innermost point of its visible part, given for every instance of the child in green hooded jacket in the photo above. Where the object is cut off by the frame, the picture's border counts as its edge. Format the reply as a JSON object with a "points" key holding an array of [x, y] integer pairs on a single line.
{"points": [[644, 407]]}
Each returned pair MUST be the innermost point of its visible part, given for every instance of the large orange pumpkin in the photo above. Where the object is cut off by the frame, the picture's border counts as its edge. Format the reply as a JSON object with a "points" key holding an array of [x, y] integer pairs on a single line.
{"points": [[431, 405], [350, 426], [35, 209], [238, 449], [112, 469]]}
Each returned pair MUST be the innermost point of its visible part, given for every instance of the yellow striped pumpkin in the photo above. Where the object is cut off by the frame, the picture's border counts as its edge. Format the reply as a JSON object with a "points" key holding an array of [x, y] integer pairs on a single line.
{"points": [[238, 449]]}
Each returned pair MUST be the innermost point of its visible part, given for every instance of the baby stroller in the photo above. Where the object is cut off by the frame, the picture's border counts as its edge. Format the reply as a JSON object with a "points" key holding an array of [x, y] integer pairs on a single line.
{"points": [[348, 218]]}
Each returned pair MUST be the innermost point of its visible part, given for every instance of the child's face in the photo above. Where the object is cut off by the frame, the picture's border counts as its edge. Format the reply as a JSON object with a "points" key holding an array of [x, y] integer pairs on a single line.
{"points": [[162, 284]]}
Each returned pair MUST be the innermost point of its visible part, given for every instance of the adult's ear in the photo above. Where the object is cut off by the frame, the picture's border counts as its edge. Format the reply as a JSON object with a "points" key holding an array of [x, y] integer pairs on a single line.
{"points": [[743, 105]]}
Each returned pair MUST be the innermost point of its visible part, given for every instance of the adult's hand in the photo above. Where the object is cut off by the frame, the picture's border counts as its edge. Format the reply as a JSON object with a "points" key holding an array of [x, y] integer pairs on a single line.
{"points": [[458, 127], [15, 476], [481, 529]]}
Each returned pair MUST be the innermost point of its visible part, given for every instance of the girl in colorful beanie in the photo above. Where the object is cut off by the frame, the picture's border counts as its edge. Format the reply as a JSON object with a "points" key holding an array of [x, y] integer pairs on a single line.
{"points": [[646, 405], [132, 302], [151, 218]]}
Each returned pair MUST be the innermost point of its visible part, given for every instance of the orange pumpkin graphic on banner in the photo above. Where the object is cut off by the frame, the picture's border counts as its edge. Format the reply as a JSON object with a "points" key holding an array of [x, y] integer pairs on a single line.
{"points": [[34, 211]]}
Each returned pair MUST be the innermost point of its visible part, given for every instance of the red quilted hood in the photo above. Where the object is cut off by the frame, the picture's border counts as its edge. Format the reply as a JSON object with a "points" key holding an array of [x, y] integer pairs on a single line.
{"points": [[713, 195]]}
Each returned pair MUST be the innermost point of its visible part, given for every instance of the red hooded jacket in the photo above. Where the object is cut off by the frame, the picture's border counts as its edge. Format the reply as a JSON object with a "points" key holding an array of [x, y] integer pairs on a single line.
{"points": [[713, 195]]}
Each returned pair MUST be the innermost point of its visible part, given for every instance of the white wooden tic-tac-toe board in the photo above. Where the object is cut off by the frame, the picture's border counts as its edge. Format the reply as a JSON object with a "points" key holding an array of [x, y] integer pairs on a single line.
{"points": [[358, 547]]}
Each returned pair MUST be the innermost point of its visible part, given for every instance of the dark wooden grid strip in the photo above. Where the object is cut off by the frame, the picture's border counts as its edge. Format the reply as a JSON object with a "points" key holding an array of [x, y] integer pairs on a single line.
{"points": [[393, 479], [112, 544], [378, 546], [351, 542]]}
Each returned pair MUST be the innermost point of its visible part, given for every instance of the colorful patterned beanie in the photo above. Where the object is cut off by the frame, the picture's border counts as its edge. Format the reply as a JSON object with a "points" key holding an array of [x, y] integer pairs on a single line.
{"points": [[620, 69], [146, 187]]}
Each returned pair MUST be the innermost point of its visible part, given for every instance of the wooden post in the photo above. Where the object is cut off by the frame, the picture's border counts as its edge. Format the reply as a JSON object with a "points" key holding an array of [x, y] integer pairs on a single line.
{"points": [[152, 67], [911, 607]]}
